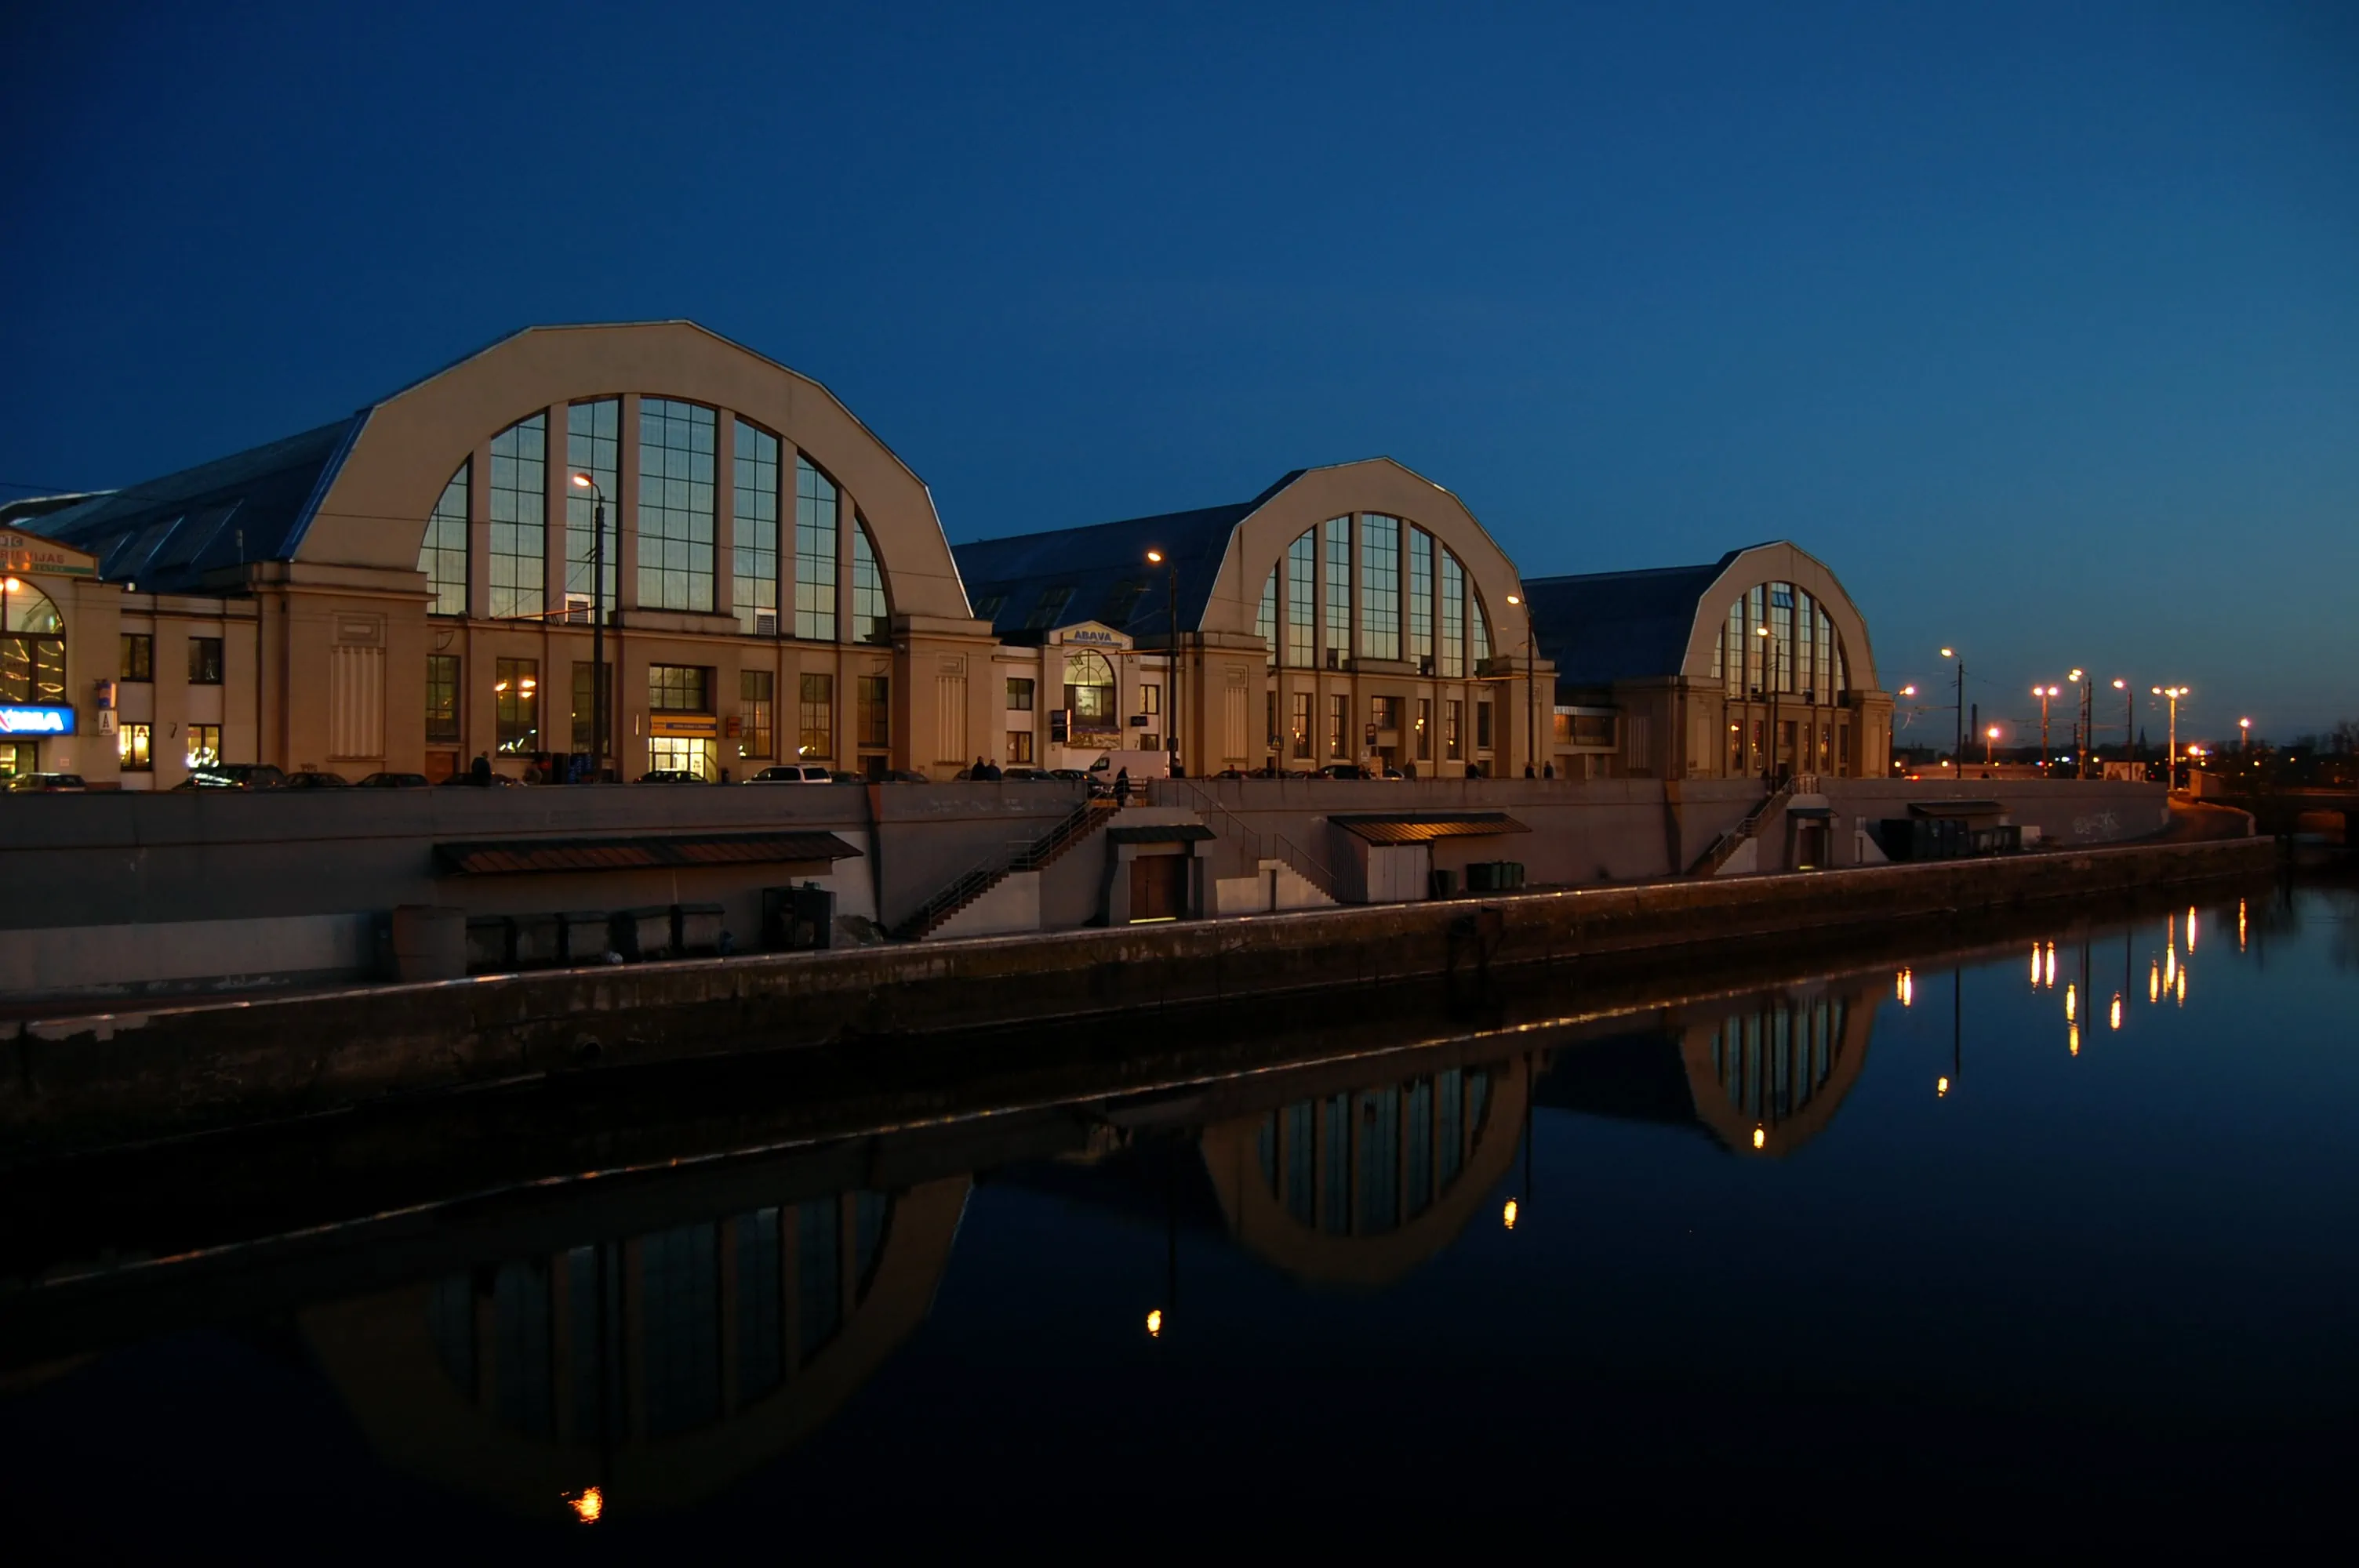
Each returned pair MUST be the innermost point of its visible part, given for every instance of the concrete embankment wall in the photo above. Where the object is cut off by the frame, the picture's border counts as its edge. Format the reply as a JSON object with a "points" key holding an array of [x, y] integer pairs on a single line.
{"points": [[89, 1080], [1622, 829], [120, 890]]}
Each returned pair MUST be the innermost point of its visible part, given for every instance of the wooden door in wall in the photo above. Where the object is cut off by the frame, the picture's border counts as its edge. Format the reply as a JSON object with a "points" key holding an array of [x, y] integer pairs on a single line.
{"points": [[1158, 887]]}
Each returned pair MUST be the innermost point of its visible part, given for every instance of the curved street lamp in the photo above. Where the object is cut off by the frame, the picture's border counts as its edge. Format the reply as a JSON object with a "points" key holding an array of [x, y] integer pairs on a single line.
{"points": [[1171, 645], [2171, 773], [597, 624]]}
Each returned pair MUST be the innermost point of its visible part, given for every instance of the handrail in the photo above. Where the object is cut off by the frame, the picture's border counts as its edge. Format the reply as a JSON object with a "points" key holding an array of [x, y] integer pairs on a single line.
{"points": [[1012, 855], [1730, 841], [1304, 864]]}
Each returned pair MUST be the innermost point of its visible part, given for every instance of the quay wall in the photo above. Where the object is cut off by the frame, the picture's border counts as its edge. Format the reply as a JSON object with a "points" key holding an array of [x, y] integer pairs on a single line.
{"points": [[86, 1081]]}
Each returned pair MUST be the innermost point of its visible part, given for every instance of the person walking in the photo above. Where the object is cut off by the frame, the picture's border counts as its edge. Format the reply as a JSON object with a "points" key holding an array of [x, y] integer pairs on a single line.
{"points": [[479, 773], [1121, 786]]}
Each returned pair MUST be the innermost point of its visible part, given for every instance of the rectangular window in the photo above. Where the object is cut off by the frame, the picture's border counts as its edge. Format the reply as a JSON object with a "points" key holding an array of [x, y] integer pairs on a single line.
{"points": [[1019, 696], [1339, 722], [1150, 699], [515, 701], [1482, 727], [1453, 617], [134, 748], [816, 721], [1380, 587], [1453, 744], [1563, 729], [32, 669], [584, 713], [1387, 712], [204, 661], [1425, 729], [754, 594], [815, 504], [138, 660], [1301, 600], [1302, 725], [518, 502], [679, 688], [675, 504], [442, 700], [442, 550], [593, 446], [755, 712], [1339, 590], [1420, 599], [1019, 746], [204, 744], [1265, 619], [876, 697]]}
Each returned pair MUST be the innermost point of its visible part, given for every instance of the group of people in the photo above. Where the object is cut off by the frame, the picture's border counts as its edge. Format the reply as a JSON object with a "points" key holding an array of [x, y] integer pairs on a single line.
{"points": [[983, 772]]}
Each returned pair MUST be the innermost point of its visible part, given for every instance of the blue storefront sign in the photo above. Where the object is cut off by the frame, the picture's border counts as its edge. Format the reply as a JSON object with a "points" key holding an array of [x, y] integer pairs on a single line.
{"points": [[20, 720]]}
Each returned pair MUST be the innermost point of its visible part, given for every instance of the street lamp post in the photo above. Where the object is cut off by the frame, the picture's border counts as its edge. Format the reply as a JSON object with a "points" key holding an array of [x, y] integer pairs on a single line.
{"points": [[2129, 720], [1171, 643], [1961, 751], [1771, 672], [597, 624], [2170, 764], [1531, 693], [2043, 693], [1990, 740]]}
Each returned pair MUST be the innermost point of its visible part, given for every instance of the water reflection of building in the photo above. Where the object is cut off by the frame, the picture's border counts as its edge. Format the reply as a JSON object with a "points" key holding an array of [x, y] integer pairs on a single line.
{"points": [[1359, 1186], [1762, 1072], [659, 1368]]}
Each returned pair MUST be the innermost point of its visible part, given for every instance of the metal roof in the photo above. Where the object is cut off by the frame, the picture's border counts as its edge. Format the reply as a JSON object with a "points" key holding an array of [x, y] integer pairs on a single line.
{"points": [[1424, 827], [482, 857], [1608, 626]]}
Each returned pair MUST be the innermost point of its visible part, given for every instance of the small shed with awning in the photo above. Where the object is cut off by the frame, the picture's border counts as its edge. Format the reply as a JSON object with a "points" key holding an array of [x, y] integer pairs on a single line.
{"points": [[1389, 856]]}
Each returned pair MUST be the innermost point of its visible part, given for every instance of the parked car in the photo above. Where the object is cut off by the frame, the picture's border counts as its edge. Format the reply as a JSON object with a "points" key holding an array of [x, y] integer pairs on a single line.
{"points": [[793, 772], [312, 778], [895, 775], [46, 784], [1342, 771], [1018, 774], [490, 780], [234, 776], [670, 776], [394, 780]]}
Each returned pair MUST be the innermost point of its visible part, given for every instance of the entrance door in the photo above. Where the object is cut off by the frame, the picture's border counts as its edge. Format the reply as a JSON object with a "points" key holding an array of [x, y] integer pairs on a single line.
{"points": [[1158, 887], [1810, 846]]}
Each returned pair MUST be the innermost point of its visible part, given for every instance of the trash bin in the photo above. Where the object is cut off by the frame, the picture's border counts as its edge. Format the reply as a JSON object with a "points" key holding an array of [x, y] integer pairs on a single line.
{"points": [[696, 928], [642, 934], [1441, 882], [429, 943], [491, 947], [583, 935]]}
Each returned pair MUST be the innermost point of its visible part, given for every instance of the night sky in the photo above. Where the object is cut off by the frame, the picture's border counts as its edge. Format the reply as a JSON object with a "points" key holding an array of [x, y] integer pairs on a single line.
{"points": [[2040, 324]]}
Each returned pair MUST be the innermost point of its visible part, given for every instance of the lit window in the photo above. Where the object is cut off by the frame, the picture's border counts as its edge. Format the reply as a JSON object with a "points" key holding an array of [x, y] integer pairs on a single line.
{"points": [[443, 554], [519, 530], [753, 590], [675, 504]]}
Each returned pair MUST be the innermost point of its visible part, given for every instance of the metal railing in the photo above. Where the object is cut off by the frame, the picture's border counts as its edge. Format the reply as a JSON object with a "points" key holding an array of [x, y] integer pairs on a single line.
{"points": [[1301, 861], [1728, 843], [1012, 855]]}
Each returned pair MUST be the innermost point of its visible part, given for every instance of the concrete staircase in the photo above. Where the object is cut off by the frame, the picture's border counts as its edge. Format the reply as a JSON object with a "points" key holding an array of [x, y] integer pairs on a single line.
{"points": [[1042, 853], [1725, 847]]}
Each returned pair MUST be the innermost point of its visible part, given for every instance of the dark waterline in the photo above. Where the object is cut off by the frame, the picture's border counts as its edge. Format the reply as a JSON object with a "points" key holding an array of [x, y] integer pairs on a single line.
{"points": [[1900, 1252]]}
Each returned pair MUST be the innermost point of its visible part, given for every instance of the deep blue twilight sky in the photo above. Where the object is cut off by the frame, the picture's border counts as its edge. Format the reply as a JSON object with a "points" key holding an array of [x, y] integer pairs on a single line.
{"points": [[2038, 323]]}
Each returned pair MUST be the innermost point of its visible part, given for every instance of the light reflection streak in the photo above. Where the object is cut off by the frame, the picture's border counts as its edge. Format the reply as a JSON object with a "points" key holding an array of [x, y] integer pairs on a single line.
{"points": [[2115, 1018]]}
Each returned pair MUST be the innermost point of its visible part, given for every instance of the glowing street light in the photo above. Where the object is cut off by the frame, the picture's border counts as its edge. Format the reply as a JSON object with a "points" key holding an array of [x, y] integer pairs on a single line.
{"points": [[1990, 740], [598, 697], [2129, 719], [2043, 693], [1959, 753], [1173, 709], [2174, 693]]}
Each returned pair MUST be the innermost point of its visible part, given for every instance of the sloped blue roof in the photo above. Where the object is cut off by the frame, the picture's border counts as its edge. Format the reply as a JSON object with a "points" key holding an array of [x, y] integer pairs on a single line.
{"points": [[171, 534], [1031, 583], [1608, 626]]}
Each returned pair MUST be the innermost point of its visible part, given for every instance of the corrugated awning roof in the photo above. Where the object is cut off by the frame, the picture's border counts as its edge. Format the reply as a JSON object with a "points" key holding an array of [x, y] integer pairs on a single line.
{"points": [[1423, 826], [1955, 808], [1160, 833], [493, 856]]}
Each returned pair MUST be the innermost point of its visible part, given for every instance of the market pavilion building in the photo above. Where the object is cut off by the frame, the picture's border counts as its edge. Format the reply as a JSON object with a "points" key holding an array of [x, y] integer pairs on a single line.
{"points": [[1757, 664], [1351, 614], [411, 588]]}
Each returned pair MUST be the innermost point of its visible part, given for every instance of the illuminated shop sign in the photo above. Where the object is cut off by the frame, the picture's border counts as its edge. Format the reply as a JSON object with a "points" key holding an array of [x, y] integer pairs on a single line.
{"points": [[37, 721]]}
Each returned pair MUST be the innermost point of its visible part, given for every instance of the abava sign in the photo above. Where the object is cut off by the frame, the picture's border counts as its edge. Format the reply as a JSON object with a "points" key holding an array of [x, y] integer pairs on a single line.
{"points": [[16, 720], [30, 554]]}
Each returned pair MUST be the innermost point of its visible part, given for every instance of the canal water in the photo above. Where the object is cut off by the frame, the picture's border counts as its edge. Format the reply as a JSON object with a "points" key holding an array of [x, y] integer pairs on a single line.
{"points": [[2050, 1240]]}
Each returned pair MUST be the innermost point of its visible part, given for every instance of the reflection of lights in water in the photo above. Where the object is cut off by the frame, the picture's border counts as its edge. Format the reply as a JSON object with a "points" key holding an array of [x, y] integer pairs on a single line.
{"points": [[1760, 1136], [2171, 930], [2240, 926], [2171, 968], [2153, 981], [587, 1504], [2115, 1018], [2034, 966], [1941, 1086], [1154, 1322], [2051, 966], [2191, 928], [1507, 1215], [2075, 1038], [2071, 999], [2182, 987], [1904, 985]]}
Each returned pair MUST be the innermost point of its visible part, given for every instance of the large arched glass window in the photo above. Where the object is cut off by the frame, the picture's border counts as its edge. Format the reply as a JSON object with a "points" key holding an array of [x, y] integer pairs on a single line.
{"points": [[1379, 585], [816, 506], [1453, 617], [32, 648], [1481, 627], [518, 501], [443, 554], [754, 572], [1301, 600], [593, 446], [871, 617], [676, 448], [1090, 694], [1420, 599], [1338, 588], [1777, 637], [1265, 619]]}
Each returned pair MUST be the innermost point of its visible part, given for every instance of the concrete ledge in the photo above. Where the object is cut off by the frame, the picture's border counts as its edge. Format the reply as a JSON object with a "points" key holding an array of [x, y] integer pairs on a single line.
{"points": [[91, 1079]]}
